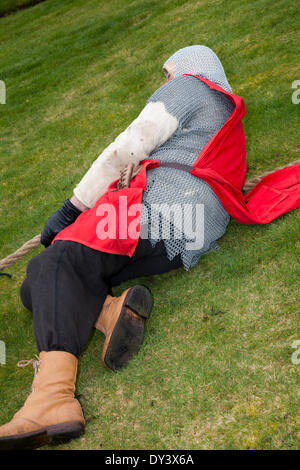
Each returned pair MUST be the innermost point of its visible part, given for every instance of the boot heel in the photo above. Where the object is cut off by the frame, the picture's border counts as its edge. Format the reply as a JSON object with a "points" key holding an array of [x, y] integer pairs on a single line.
{"points": [[63, 432], [139, 300]]}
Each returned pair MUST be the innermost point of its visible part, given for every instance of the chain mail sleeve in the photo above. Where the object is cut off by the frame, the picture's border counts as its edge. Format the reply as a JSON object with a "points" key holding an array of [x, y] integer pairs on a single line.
{"points": [[151, 129]]}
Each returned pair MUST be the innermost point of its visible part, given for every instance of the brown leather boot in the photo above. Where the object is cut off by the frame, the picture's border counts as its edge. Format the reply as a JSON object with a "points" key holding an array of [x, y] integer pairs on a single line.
{"points": [[51, 413], [122, 320]]}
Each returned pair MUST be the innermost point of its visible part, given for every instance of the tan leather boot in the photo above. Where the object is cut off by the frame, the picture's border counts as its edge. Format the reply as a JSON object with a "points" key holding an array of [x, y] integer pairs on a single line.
{"points": [[50, 413], [122, 320]]}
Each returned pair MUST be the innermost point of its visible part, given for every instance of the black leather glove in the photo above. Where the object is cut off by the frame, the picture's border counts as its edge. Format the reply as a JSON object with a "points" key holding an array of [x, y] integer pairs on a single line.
{"points": [[65, 216]]}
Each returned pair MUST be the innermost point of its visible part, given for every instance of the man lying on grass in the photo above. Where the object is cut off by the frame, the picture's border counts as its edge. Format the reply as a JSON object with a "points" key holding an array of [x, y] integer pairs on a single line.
{"points": [[183, 166]]}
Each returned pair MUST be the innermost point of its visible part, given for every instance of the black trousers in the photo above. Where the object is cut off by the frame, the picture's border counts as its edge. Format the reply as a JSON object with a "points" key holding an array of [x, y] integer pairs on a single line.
{"points": [[66, 285]]}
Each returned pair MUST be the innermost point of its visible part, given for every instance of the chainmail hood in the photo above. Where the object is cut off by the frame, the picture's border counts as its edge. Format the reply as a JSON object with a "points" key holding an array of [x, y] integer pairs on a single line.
{"points": [[198, 60]]}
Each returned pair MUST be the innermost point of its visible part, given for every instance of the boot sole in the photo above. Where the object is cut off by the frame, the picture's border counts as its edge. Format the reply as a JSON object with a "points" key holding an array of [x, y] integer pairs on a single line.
{"points": [[28, 441], [128, 334], [55, 434]]}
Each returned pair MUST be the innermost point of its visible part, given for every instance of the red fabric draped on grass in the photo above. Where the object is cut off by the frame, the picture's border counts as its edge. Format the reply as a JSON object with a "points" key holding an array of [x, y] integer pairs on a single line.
{"points": [[221, 163]]}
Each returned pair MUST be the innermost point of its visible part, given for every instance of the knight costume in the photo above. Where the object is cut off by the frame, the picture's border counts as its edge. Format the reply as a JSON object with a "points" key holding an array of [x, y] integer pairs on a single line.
{"points": [[188, 144]]}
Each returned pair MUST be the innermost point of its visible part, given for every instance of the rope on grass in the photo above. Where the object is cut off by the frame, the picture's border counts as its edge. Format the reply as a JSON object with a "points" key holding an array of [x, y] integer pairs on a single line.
{"points": [[35, 241], [250, 183], [14, 257]]}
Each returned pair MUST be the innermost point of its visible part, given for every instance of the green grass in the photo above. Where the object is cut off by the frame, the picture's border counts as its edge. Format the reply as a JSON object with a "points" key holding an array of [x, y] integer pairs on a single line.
{"points": [[77, 73], [10, 6]]}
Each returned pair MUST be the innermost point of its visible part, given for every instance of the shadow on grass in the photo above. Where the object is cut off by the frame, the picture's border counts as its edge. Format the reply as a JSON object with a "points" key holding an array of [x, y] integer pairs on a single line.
{"points": [[13, 6]]}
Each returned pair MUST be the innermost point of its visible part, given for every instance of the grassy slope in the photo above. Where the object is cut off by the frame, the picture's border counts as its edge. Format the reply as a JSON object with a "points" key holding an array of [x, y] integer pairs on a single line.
{"points": [[77, 73]]}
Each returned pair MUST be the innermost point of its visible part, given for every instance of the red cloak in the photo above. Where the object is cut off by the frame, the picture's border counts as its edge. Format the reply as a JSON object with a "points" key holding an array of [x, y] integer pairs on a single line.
{"points": [[221, 163]]}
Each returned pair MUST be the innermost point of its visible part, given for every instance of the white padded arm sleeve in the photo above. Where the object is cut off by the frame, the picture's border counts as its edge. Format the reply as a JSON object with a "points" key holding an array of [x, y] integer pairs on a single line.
{"points": [[149, 130]]}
